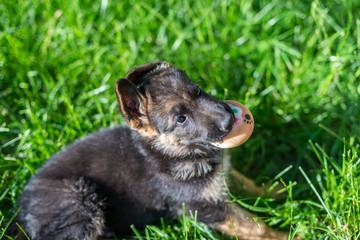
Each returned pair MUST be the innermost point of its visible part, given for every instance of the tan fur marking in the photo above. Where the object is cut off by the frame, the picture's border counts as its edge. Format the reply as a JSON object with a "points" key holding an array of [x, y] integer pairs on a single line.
{"points": [[185, 170], [215, 190], [161, 74], [251, 188], [147, 129], [241, 223], [246, 183], [170, 103], [98, 225], [144, 127], [20, 235], [187, 97]]}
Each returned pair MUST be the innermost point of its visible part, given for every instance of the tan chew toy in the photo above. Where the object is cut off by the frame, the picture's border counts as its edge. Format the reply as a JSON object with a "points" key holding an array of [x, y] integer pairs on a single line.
{"points": [[242, 129]]}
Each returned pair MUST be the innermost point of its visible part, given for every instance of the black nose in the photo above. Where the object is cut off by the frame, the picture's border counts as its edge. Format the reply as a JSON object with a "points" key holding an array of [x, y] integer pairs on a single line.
{"points": [[226, 121]]}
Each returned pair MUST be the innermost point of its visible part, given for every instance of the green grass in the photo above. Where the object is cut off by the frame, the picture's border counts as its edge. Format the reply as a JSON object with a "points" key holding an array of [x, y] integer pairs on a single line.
{"points": [[295, 64]]}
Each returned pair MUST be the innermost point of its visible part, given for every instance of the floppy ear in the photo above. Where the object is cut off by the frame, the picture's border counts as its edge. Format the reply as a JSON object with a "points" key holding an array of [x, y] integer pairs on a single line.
{"points": [[131, 102], [135, 75]]}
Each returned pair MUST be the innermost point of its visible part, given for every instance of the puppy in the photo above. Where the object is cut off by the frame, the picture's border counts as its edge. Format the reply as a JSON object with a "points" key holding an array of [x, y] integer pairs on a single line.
{"points": [[137, 174]]}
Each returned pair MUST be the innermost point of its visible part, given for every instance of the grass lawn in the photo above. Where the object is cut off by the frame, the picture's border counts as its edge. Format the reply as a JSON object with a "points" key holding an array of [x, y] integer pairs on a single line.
{"points": [[294, 64]]}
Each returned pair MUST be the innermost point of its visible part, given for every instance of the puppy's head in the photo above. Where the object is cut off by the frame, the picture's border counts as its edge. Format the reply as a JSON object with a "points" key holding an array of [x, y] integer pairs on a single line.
{"points": [[163, 104]]}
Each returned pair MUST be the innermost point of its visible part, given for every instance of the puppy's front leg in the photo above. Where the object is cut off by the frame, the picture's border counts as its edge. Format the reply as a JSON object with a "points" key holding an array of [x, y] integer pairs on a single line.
{"points": [[239, 222]]}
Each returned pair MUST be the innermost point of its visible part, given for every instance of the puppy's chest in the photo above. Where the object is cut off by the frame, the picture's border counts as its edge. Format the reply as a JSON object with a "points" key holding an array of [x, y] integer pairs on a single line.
{"points": [[163, 186], [164, 180], [199, 185]]}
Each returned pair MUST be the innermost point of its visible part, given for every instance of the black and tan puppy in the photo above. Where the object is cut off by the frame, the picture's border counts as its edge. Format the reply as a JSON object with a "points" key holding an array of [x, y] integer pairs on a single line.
{"points": [[138, 173]]}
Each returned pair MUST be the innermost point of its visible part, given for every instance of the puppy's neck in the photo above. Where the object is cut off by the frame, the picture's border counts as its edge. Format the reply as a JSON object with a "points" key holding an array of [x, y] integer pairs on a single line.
{"points": [[188, 169]]}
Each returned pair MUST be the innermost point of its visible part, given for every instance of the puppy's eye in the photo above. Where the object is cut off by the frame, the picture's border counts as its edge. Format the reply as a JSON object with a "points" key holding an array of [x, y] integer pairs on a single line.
{"points": [[181, 119]]}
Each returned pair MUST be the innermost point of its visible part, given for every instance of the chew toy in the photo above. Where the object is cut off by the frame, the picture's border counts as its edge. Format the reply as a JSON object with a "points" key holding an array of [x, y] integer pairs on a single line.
{"points": [[242, 128]]}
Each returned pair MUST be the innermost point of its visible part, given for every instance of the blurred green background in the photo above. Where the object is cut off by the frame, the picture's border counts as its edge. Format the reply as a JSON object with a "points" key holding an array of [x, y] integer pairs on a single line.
{"points": [[294, 64]]}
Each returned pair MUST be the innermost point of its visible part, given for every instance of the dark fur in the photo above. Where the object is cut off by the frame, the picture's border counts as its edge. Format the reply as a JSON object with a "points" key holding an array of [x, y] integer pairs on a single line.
{"points": [[120, 176]]}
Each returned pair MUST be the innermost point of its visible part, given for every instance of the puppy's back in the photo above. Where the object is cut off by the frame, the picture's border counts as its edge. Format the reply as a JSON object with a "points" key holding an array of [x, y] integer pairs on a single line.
{"points": [[93, 155]]}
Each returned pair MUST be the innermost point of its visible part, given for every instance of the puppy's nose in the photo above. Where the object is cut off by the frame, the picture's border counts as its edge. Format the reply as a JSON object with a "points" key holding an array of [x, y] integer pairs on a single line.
{"points": [[226, 122]]}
